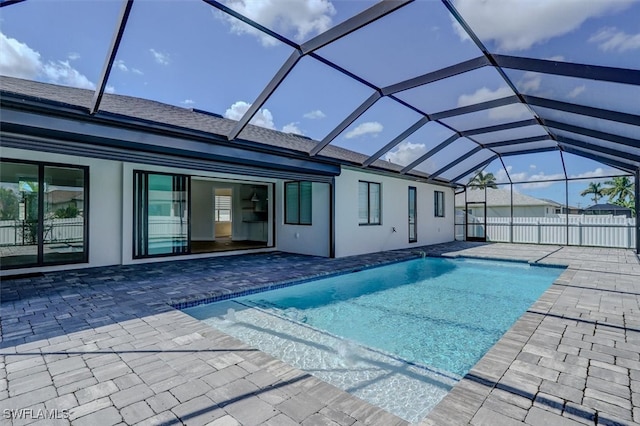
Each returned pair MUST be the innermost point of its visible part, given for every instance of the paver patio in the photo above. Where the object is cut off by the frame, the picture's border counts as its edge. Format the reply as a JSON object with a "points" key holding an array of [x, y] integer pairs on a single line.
{"points": [[103, 346]]}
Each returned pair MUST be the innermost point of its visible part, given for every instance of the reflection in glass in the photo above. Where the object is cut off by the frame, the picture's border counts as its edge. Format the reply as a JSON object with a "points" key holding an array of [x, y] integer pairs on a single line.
{"points": [[64, 215], [161, 222], [19, 192]]}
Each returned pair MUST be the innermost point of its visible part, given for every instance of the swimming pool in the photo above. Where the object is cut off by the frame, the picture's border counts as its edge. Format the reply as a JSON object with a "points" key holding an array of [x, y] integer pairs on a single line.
{"points": [[398, 336]]}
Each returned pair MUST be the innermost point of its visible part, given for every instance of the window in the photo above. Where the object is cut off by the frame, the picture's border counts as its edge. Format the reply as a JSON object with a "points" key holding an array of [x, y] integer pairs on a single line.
{"points": [[43, 214], [558, 211], [369, 203], [297, 203], [438, 204], [222, 208], [413, 210]]}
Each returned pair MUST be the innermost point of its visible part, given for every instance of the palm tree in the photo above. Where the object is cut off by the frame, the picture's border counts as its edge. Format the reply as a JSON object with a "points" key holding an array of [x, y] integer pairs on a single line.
{"points": [[595, 189], [483, 180], [620, 189]]}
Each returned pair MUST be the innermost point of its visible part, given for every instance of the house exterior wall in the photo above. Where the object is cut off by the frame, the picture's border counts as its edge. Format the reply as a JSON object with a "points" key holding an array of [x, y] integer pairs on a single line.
{"points": [[105, 207], [352, 238], [311, 239], [111, 212]]}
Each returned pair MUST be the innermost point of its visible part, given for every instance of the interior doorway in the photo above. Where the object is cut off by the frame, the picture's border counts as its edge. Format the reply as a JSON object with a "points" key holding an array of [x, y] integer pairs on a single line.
{"points": [[229, 215], [223, 213]]}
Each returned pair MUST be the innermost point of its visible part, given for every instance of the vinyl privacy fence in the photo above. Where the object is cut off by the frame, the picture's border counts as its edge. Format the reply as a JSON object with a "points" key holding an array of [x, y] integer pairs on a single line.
{"points": [[582, 230], [16, 232]]}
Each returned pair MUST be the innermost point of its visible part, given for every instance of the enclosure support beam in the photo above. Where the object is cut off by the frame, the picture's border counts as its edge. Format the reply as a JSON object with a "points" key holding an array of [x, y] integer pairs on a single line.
{"points": [[567, 69], [346, 123], [511, 221], [271, 87], [111, 56], [417, 125], [429, 154]]}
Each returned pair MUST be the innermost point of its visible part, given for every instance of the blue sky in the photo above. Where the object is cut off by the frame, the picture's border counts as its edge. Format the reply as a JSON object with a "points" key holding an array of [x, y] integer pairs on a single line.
{"points": [[186, 53]]}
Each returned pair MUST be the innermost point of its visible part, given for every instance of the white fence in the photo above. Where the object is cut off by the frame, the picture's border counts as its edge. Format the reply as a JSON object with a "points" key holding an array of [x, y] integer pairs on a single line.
{"points": [[17, 232], [583, 230]]}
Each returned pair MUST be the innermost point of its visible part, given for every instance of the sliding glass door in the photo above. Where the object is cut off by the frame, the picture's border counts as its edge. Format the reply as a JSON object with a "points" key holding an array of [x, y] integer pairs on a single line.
{"points": [[43, 214], [161, 214]]}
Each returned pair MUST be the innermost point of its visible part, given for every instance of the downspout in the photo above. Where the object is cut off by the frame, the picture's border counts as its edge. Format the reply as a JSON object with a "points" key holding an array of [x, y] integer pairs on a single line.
{"points": [[332, 218], [566, 206], [637, 196]]}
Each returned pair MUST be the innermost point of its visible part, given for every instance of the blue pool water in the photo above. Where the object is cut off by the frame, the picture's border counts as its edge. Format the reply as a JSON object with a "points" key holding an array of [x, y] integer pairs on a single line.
{"points": [[436, 317]]}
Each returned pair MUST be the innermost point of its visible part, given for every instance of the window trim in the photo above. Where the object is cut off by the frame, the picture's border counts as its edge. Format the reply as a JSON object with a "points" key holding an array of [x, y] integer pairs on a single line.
{"points": [[369, 222], [299, 198], [40, 262], [437, 203]]}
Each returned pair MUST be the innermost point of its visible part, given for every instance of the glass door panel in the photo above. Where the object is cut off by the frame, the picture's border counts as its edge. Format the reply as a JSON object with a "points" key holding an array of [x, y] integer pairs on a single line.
{"points": [[64, 215], [161, 209], [19, 199], [476, 221]]}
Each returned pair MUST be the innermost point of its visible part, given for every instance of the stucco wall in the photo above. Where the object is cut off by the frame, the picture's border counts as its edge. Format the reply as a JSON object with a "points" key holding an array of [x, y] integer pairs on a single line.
{"points": [[352, 238], [305, 239]]}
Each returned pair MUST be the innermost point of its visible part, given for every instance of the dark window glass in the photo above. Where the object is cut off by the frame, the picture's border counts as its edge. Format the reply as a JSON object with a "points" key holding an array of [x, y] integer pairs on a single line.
{"points": [[297, 203], [413, 232], [438, 202], [369, 203]]}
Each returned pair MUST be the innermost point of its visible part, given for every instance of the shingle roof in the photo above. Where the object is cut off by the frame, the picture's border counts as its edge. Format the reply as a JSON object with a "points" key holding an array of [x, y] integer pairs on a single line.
{"points": [[501, 197], [158, 112]]}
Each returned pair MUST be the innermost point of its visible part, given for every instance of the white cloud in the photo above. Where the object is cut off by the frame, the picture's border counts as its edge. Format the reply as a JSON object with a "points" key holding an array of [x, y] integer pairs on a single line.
{"points": [[73, 56], [530, 82], [110, 89], [17, 59], [300, 18], [292, 128], [64, 74], [263, 117], [615, 40], [315, 115], [576, 91], [136, 71], [370, 127], [484, 94], [513, 111], [160, 57], [518, 25], [119, 64], [188, 102], [598, 172], [406, 152]]}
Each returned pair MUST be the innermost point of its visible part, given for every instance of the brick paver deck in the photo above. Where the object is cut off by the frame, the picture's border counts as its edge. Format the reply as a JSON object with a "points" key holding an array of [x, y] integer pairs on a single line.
{"points": [[103, 346]]}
